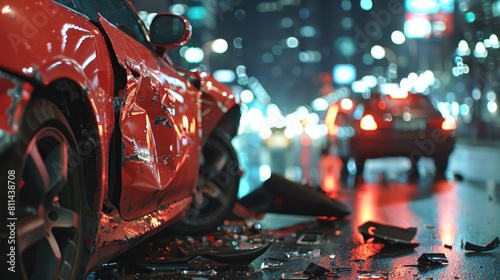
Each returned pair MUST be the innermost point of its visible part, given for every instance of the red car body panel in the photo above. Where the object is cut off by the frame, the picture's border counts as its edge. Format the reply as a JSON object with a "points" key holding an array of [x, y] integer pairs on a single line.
{"points": [[216, 101], [159, 124], [115, 235], [43, 46], [164, 118]]}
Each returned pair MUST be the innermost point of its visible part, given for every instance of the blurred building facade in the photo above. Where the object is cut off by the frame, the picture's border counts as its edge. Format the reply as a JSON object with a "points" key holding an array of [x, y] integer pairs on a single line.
{"points": [[477, 66], [297, 50]]}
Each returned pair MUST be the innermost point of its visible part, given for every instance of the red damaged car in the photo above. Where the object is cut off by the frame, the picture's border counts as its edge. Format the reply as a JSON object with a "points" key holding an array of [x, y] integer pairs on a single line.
{"points": [[103, 142]]}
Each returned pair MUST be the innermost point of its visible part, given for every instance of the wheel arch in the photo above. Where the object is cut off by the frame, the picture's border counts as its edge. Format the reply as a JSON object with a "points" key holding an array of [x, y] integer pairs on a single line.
{"points": [[230, 121], [77, 109]]}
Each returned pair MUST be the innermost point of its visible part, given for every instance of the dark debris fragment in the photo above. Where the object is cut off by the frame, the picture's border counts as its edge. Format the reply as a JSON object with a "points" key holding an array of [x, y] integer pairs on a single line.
{"points": [[277, 259], [488, 247], [280, 195], [432, 259], [242, 257], [315, 270], [386, 234]]}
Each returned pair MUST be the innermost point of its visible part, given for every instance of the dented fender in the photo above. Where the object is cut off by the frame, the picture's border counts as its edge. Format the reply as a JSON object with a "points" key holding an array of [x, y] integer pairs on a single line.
{"points": [[74, 51], [216, 101]]}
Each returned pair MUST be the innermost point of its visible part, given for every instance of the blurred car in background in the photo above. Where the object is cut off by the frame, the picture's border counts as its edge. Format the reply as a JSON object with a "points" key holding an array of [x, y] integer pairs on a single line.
{"points": [[395, 123], [276, 138]]}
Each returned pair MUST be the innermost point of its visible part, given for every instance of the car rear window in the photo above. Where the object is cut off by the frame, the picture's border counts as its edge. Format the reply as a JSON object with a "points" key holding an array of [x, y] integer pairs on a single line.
{"points": [[412, 101], [396, 106]]}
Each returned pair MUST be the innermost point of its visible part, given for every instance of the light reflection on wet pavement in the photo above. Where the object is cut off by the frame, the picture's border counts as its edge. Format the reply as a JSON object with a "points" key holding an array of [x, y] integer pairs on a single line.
{"points": [[446, 213]]}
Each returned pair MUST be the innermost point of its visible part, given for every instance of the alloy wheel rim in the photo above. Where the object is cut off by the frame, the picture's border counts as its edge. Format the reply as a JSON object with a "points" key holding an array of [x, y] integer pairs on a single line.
{"points": [[48, 224]]}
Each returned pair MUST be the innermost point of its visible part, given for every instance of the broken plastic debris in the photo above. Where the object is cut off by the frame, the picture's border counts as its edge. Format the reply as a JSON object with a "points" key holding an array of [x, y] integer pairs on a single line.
{"points": [[476, 248], [235, 257], [390, 235], [280, 195], [315, 270], [432, 259]]}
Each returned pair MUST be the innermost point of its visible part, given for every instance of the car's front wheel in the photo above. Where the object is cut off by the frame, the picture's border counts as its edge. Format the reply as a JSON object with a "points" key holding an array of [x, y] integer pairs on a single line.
{"points": [[217, 188], [48, 194], [441, 164]]}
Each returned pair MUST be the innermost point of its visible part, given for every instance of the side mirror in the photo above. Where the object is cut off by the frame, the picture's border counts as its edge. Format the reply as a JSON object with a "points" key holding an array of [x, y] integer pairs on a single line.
{"points": [[169, 31]]}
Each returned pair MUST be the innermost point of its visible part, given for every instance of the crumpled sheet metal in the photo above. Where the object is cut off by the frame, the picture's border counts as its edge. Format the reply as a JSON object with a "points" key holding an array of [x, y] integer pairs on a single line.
{"points": [[477, 248], [389, 235]]}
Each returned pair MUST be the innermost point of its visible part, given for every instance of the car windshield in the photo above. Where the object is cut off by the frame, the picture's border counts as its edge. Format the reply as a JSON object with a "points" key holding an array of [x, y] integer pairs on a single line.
{"points": [[118, 13]]}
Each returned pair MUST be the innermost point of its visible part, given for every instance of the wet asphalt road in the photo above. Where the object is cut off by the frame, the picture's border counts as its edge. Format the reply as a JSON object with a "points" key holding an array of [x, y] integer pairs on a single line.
{"points": [[447, 213]]}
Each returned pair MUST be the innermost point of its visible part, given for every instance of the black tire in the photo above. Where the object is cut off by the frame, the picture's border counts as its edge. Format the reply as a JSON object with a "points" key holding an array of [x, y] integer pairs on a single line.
{"points": [[344, 171], [217, 189], [413, 173], [49, 195], [441, 164], [360, 165]]}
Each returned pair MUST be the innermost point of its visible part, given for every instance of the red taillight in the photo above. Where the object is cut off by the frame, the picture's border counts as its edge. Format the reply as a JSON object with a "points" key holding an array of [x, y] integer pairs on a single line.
{"points": [[368, 123], [449, 124]]}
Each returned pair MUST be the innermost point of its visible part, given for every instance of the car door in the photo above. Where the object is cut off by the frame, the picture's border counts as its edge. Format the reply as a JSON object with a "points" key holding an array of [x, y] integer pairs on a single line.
{"points": [[157, 122]]}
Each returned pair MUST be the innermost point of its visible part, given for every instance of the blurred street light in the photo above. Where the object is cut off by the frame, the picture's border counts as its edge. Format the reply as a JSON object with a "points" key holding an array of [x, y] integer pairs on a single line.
{"points": [[217, 46], [194, 55], [379, 52], [398, 37]]}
